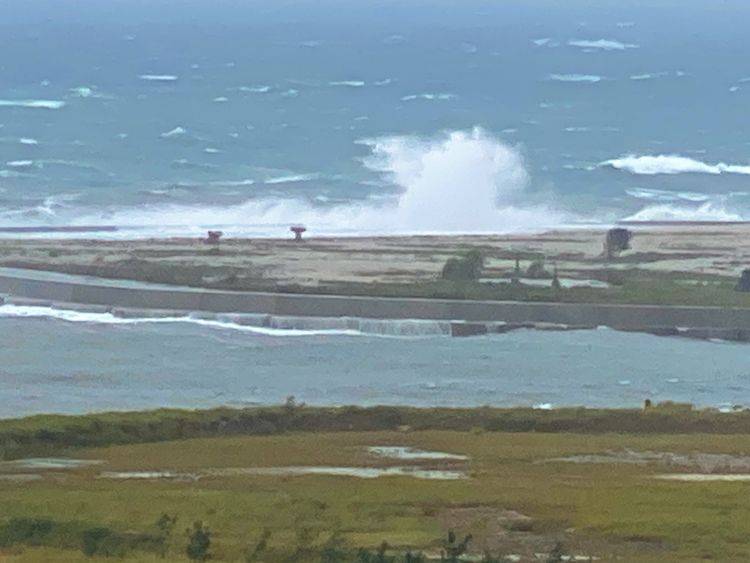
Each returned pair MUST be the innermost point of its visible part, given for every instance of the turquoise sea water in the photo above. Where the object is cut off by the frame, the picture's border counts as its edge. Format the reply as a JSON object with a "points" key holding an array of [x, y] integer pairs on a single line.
{"points": [[372, 116]]}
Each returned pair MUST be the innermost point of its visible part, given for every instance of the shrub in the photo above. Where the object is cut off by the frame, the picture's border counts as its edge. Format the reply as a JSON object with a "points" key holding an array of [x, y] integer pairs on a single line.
{"points": [[466, 268], [617, 240], [744, 283], [199, 542]]}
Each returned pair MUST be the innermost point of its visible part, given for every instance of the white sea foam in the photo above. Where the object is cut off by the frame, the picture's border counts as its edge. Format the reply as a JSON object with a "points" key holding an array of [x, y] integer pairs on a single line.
{"points": [[648, 75], [545, 42], [350, 83], [68, 315], [602, 44], [221, 100], [159, 77], [291, 178], [383, 82], [666, 196], [28, 141], [176, 132], [32, 104], [671, 164], [428, 96], [255, 89], [459, 181], [590, 78], [709, 211], [20, 164]]}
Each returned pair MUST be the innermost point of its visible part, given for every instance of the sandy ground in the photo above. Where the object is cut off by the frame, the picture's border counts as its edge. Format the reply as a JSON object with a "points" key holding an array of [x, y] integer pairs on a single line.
{"points": [[713, 250]]}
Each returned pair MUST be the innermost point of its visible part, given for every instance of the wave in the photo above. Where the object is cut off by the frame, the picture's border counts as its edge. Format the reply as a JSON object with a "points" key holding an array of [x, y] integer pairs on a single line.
{"points": [[671, 164], [176, 132], [707, 212], [33, 104], [602, 44], [545, 42], [159, 77], [292, 178], [591, 78], [28, 141], [255, 89], [664, 195], [456, 182], [428, 96], [20, 164], [648, 75], [220, 100], [350, 83], [73, 316]]}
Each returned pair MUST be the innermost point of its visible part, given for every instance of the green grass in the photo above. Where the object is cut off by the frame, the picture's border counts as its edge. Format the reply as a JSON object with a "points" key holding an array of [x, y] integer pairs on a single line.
{"points": [[604, 510]]}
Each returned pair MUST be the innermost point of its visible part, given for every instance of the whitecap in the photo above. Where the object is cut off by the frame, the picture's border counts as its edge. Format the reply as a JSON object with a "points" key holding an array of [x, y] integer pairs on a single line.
{"points": [[350, 83], [601, 44], [591, 78], [211, 150], [665, 195], [671, 164], [84, 92], [383, 82], [28, 141], [20, 164], [33, 104], [158, 77], [73, 316], [428, 96], [176, 132], [545, 42], [709, 211], [255, 89], [291, 178], [648, 75], [290, 93]]}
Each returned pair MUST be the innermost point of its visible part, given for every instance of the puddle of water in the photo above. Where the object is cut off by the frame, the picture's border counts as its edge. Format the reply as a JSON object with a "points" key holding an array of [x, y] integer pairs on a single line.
{"points": [[360, 472], [405, 452], [708, 463], [148, 475], [702, 477], [49, 463], [20, 477]]}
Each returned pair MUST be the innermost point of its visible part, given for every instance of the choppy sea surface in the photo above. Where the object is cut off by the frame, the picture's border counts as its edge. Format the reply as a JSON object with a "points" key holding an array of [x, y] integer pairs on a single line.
{"points": [[78, 365], [372, 116]]}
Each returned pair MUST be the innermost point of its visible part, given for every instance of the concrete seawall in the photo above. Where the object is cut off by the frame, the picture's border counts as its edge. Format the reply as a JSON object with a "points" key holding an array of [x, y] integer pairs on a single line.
{"points": [[713, 321]]}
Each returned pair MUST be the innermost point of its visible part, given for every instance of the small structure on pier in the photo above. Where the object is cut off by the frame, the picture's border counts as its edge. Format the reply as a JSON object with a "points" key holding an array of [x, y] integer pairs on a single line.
{"points": [[214, 237], [297, 230]]}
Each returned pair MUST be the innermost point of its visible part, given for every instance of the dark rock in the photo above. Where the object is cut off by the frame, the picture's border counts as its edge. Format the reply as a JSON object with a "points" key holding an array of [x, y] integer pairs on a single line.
{"points": [[468, 329]]}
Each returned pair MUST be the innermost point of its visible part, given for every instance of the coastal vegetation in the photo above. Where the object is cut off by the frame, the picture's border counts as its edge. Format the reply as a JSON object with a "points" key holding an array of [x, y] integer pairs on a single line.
{"points": [[50, 434], [563, 484]]}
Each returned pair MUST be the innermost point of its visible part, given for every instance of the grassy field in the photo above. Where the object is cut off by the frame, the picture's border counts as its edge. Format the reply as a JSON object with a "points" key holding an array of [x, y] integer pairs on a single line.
{"points": [[514, 498]]}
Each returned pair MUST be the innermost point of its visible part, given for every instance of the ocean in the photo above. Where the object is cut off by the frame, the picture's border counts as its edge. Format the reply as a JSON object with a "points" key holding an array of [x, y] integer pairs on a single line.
{"points": [[361, 117]]}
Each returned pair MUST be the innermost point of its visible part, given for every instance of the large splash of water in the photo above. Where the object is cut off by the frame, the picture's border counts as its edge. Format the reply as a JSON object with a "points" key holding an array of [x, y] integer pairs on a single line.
{"points": [[459, 181]]}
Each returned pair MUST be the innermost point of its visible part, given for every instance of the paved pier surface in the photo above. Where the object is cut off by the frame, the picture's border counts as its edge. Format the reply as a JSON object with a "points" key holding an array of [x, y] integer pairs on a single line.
{"points": [[64, 288]]}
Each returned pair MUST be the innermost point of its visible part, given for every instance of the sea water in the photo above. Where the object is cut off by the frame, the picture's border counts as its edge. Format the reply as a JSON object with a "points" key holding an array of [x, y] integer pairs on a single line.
{"points": [[371, 116], [55, 363]]}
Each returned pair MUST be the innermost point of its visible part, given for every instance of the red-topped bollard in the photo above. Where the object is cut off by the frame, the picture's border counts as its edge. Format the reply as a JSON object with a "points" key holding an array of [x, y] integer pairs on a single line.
{"points": [[297, 230]]}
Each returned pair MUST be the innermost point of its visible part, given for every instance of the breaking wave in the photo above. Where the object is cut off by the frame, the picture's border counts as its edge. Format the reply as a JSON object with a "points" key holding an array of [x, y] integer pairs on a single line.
{"points": [[460, 181], [708, 211], [159, 77], [671, 164], [601, 44], [32, 104], [590, 78]]}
